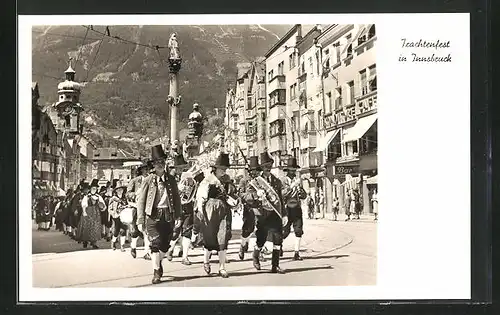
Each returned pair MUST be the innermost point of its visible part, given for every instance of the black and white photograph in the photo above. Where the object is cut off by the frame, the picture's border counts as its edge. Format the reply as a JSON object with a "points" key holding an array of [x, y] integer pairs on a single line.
{"points": [[263, 136], [239, 157]]}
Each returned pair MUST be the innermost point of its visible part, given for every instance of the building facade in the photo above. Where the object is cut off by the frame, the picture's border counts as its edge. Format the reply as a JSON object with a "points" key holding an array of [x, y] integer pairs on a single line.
{"points": [[349, 144], [107, 164], [281, 74]]}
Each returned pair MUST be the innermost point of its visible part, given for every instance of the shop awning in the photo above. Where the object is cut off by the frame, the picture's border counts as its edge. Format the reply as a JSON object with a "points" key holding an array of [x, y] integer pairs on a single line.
{"points": [[372, 180], [132, 163], [324, 142], [360, 128]]}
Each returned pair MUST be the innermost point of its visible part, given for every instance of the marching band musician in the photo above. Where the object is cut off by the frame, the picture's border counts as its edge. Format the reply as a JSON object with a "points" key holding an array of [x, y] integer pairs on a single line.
{"points": [[188, 210], [250, 201], [214, 215], [293, 193], [180, 165], [116, 203], [158, 207], [269, 222], [133, 189]]}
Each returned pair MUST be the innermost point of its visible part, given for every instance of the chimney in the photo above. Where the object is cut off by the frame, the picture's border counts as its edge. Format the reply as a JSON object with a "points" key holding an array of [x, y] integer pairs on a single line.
{"points": [[299, 32]]}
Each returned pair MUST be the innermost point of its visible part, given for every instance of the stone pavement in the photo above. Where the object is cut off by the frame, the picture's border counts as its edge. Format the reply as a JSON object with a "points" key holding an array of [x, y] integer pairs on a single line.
{"points": [[335, 253]]}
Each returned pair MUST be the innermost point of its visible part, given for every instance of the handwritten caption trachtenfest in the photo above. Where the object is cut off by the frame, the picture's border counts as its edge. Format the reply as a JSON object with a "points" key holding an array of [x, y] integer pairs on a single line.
{"points": [[425, 51]]}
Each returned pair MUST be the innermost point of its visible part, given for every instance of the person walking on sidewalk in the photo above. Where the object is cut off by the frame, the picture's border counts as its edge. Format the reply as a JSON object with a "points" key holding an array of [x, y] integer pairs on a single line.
{"points": [[375, 204], [158, 210], [89, 228], [214, 214], [349, 204], [293, 194], [335, 205], [310, 206], [357, 203]]}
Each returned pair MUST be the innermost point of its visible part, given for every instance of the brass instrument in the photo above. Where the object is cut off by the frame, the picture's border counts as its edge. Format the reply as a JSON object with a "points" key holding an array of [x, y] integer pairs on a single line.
{"points": [[270, 199], [187, 189], [292, 192]]}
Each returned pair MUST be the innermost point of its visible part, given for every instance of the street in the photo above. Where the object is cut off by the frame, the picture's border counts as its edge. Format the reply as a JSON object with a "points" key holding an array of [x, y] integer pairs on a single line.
{"points": [[335, 253]]}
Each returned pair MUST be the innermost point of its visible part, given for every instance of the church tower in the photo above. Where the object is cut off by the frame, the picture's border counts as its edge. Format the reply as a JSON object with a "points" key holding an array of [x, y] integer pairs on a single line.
{"points": [[66, 112]]}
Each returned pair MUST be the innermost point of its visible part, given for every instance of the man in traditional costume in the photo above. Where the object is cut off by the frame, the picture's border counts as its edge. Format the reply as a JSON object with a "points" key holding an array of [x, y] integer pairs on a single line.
{"points": [[214, 217], [76, 208], [250, 202], [106, 221], [133, 190], [293, 194], [179, 166], [158, 207], [89, 228], [273, 217]]}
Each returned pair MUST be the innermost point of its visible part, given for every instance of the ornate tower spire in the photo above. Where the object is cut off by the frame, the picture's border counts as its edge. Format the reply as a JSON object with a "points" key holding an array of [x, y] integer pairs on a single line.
{"points": [[70, 73]]}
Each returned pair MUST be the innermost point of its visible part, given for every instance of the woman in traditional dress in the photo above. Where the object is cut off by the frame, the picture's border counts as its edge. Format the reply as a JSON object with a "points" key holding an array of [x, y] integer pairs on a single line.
{"points": [[66, 209], [214, 214], [42, 214], [375, 204], [89, 229]]}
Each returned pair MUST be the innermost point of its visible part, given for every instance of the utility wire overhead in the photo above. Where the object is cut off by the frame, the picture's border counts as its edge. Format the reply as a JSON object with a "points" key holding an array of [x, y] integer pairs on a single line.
{"points": [[108, 34]]}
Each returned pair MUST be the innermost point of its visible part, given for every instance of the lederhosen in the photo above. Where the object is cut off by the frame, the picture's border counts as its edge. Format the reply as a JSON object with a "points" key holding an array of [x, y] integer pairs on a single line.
{"points": [[248, 215], [160, 224]]}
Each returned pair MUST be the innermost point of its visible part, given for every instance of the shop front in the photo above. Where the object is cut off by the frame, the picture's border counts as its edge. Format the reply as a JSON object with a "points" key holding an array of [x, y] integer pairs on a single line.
{"points": [[319, 179]]}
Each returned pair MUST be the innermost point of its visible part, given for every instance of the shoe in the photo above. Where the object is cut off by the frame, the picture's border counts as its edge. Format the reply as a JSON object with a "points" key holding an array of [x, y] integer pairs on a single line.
{"points": [[147, 257], [122, 249], [207, 269], [169, 255], [241, 253], [223, 273], [84, 244], [95, 246], [186, 262], [296, 256], [255, 256], [133, 252], [275, 261], [160, 271], [156, 277]]}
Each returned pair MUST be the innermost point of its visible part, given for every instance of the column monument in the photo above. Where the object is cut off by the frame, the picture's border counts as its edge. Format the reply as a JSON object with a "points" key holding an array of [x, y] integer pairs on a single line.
{"points": [[174, 99]]}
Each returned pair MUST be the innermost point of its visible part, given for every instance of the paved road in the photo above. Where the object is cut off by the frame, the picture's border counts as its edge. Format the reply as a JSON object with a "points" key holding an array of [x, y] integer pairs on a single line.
{"points": [[335, 253]]}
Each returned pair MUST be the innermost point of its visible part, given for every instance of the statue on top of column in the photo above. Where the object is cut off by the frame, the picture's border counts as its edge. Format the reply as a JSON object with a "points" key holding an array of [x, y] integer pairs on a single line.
{"points": [[173, 45]]}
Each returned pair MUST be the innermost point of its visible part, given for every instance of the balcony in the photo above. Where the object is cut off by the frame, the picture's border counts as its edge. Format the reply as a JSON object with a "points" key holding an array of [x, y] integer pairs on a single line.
{"points": [[250, 113], [366, 103], [277, 143], [277, 83], [308, 139], [251, 137], [349, 158]]}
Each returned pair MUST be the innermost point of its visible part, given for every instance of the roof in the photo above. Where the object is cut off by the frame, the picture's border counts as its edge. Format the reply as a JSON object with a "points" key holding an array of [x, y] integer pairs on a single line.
{"points": [[243, 68], [308, 40], [282, 40], [113, 154]]}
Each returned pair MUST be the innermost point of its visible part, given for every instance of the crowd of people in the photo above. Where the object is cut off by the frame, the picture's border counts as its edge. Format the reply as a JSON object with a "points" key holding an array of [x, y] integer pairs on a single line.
{"points": [[185, 205]]}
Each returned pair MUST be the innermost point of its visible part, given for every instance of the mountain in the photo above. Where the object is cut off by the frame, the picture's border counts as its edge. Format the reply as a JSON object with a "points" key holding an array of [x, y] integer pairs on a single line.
{"points": [[126, 84]]}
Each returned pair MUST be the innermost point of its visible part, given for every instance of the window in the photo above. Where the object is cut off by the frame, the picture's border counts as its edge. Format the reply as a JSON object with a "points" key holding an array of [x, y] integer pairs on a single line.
{"points": [[350, 149], [320, 120], [349, 50], [293, 91], [317, 64], [338, 99], [277, 127], [351, 91], [329, 101], [277, 97], [250, 128], [281, 65], [361, 40], [249, 102], [372, 70], [270, 75], [363, 83], [292, 60], [337, 50], [302, 69], [114, 154]]}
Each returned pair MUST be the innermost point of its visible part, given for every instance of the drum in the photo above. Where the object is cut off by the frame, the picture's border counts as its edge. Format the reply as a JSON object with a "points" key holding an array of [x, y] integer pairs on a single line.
{"points": [[127, 215]]}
